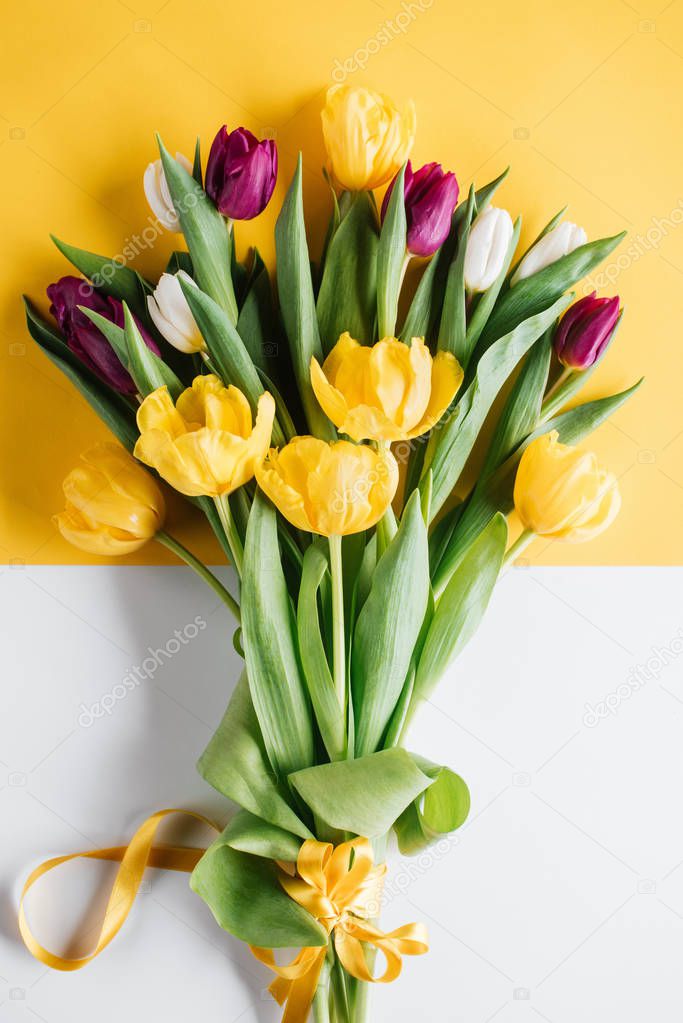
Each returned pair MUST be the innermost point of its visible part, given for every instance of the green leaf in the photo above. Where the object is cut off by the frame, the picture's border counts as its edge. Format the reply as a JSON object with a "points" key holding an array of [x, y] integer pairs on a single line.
{"points": [[496, 494], [297, 303], [114, 411], [461, 607], [347, 299], [391, 256], [146, 368], [452, 329], [245, 896], [443, 808], [251, 834], [328, 713], [388, 627], [256, 324], [110, 276], [205, 232], [538, 292], [236, 764], [363, 796], [523, 406], [276, 682], [450, 445], [197, 163], [546, 230]]}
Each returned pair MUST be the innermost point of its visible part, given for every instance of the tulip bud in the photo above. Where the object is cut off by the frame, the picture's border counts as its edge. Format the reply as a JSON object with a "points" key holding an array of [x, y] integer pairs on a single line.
{"points": [[487, 247], [113, 505], [563, 493], [585, 330], [82, 336], [240, 173], [431, 195], [559, 242], [158, 194], [171, 314]]}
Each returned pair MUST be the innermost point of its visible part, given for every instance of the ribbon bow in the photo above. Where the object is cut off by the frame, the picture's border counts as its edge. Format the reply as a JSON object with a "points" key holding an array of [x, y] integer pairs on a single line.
{"points": [[341, 888]]}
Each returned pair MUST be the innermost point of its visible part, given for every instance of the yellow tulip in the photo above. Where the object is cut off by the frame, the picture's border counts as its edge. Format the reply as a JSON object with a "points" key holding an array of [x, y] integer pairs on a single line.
{"points": [[563, 493], [367, 137], [387, 392], [332, 489], [113, 506], [205, 444]]}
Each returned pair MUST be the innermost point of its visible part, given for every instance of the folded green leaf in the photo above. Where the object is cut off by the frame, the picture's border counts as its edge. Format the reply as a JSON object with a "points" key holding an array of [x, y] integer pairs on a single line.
{"points": [[205, 232], [388, 627], [114, 411], [297, 302], [363, 796], [443, 808], [251, 834], [109, 275], [236, 764], [328, 713], [146, 368], [450, 445], [391, 256], [453, 325], [347, 299], [245, 896], [256, 324], [276, 682]]}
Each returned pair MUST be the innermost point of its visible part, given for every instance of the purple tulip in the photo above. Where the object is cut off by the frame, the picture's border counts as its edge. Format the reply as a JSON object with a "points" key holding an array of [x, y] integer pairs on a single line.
{"points": [[585, 329], [83, 338], [431, 195], [241, 173]]}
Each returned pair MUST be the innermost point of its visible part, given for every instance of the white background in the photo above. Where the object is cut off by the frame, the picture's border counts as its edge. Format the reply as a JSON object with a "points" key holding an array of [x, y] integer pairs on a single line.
{"points": [[561, 899]]}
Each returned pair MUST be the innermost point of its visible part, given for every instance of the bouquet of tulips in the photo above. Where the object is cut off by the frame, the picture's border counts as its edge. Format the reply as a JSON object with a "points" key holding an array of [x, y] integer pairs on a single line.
{"points": [[325, 436]]}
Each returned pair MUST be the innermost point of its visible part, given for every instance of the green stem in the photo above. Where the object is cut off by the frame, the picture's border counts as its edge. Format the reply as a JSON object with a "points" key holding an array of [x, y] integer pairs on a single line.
{"points": [[202, 571], [234, 541], [520, 544], [321, 998], [338, 638]]}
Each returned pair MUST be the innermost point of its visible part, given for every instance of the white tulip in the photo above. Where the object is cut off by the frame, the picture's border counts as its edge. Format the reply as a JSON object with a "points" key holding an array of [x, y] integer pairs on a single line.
{"points": [[559, 242], [487, 247], [171, 314], [158, 195]]}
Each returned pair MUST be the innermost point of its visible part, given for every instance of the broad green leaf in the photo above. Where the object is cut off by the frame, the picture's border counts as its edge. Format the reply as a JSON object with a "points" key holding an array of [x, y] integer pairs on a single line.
{"points": [[347, 299], [109, 275], [146, 368], [363, 796], [245, 896], [496, 494], [450, 445], [236, 764], [251, 834], [328, 713], [256, 324], [523, 406], [453, 325], [388, 627], [538, 292], [443, 808], [297, 302], [487, 301], [391, 256], [461, 607], [179, 261], [205, 232], [114, 411], [276, 682]]}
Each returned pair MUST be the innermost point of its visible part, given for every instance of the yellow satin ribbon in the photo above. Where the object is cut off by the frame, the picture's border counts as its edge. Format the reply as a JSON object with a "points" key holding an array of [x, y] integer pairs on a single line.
{"points": [[340, 887], [134, 858]]}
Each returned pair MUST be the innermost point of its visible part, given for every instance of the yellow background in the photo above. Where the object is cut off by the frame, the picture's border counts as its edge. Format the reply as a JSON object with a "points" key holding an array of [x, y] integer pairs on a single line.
{"points": [[583, 99]]}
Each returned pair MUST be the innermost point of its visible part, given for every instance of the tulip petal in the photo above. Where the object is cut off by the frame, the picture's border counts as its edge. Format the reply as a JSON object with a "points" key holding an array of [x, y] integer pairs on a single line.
{"points": [[447, 376], [158, 412]]}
